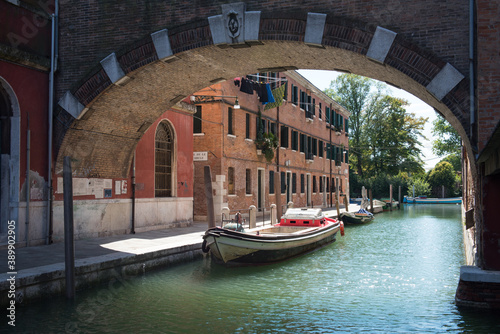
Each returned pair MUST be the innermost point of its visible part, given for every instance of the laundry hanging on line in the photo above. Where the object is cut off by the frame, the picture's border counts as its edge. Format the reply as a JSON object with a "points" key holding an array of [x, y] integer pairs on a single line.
{"points": [[263, 90], [278, 94]]}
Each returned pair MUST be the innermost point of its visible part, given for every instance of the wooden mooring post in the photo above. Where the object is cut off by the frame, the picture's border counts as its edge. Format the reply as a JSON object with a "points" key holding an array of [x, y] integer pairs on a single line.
{"points": [[371, 200], [390, 197], [69, 246], [209, 195]]}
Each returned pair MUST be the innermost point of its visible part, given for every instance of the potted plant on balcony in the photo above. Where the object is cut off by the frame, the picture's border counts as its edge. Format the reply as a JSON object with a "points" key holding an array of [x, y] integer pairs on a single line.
{"points": [[267, 142]]}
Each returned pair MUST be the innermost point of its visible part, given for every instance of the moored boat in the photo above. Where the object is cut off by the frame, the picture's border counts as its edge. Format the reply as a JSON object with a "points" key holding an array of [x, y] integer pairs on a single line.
{"points": [[299, 231], [360, 217], [425, 200]]}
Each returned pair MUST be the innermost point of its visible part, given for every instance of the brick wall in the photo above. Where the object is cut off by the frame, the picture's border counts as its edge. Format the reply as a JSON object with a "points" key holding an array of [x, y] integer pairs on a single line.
{"points": [[430, 34], [488, 68], [478, 294]]}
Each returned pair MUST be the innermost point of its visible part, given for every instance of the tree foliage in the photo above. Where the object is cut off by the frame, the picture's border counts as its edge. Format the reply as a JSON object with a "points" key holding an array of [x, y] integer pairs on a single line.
{"points": [[383, 138], [447, 140], [352, 91], [418, 186], [455, 160], [443, 175]]}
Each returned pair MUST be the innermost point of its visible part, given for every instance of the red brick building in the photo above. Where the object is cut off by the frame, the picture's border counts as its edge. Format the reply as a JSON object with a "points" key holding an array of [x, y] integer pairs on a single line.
{"points": [[311, 132]]}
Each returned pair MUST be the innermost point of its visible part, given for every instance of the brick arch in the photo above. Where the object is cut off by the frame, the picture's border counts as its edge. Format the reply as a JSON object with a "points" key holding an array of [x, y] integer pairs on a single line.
{"points": [[130, 88]]}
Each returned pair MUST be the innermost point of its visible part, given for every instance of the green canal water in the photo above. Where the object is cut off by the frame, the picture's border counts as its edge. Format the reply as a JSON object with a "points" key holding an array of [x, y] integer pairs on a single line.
{"points": [[397, 274]]}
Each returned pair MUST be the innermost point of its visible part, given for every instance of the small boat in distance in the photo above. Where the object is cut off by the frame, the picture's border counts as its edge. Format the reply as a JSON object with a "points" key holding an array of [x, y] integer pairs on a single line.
{"points": [[425, 200], [360, 217], [298, 232]]}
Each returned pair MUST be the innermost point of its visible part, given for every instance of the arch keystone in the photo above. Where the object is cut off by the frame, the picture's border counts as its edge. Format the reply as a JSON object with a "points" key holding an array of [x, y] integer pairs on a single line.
{"points": [[381, 44], [444, 81], [113, 69], [235, 26], [315, 29]]}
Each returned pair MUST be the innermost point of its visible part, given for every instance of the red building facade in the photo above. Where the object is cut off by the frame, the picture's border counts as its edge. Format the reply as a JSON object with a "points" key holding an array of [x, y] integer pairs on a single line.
{"points": [[25, 35]]}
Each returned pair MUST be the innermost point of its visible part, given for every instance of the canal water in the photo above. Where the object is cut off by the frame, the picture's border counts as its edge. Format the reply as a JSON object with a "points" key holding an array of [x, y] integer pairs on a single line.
{"points": [[397, 274]]}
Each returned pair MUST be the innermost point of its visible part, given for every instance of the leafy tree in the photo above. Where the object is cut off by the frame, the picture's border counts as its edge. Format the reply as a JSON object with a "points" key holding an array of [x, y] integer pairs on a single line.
{"points": [[352, 91], [422, 187], [455, 160], [394, 135], [383, 137], [448, 140], [442, 175]]}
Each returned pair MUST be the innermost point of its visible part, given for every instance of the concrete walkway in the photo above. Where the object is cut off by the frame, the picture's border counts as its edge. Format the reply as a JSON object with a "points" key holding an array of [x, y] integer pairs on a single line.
{"points": [[39, 271]]}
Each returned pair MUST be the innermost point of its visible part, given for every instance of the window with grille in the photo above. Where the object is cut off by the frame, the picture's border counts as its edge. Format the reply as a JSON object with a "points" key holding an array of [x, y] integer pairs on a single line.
{"points": [[164, 146]]}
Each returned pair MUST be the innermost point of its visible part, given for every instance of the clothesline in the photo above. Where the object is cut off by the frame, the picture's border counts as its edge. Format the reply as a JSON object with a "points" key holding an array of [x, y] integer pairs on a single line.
{"points": [[274, 79]]}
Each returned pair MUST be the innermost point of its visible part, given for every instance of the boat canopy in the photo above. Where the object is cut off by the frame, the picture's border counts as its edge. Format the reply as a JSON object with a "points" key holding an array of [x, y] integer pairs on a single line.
{"points": [[306, 213]]}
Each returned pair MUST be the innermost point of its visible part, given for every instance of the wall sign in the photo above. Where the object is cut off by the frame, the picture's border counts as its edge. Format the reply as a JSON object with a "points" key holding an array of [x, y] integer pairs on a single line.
{"points": [[200, 156]]}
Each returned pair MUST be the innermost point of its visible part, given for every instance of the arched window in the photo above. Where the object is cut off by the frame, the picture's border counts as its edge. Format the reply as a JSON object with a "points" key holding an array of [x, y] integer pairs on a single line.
{"points": [[164, 159]]}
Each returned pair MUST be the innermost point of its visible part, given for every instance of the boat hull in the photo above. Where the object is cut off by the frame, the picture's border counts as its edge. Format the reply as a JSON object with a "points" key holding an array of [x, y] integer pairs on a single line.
{"points": [[452, 200], [242, 248], [355, 220]]}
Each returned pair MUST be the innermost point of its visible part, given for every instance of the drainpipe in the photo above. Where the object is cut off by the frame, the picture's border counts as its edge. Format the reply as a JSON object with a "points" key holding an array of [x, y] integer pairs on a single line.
{"points": [[28, 180], [471, 69], [132, 230], [53, 64], [473, 133], [329, 148]]}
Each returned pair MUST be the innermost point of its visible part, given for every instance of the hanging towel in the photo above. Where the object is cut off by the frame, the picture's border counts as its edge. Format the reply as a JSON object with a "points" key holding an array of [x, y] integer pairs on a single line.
{"points": [[262, 92], [278, 94], [246, 86], [270, 97]]}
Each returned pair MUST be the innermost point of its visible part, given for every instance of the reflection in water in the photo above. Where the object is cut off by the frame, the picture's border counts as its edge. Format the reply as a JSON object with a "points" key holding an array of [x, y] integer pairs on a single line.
{"points": [[396, 274]]}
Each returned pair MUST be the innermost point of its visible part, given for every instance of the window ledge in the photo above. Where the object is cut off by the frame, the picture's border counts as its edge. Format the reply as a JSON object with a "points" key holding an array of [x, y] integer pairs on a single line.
{"points": [[231, 136], [249, 140], [199, 134]]}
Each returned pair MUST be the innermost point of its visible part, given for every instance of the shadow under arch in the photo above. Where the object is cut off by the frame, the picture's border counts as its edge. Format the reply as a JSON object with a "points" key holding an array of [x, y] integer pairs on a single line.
{"points": [[113, 113]]}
